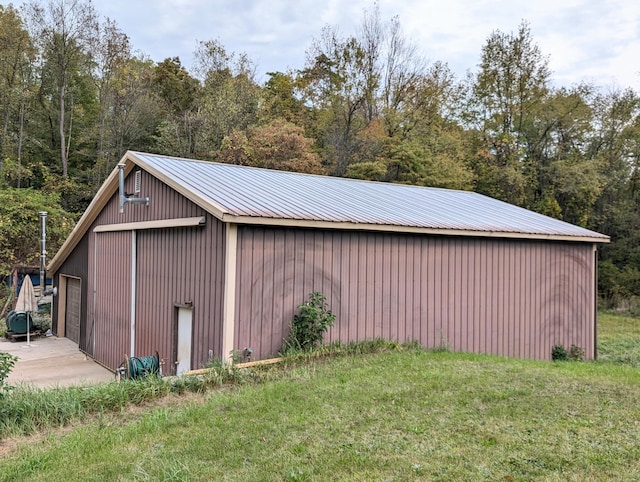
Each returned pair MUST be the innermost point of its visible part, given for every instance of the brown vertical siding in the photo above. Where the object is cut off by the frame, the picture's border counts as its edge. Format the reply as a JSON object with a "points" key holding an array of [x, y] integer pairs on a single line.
{"points": [[111, 325], [76, 265], [505, 297], [177, 267], [165, 203], [174, 265]]}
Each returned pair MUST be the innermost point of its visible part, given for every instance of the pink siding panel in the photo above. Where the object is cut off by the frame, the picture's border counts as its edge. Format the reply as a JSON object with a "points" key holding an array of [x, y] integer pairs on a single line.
{"points": [[165, 203], [179, 267], [175, 265], [111, 325], [504, 297]]}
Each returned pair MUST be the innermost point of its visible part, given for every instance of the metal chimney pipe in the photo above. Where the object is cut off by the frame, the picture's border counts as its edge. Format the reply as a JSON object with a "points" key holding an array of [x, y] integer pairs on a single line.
{"points": [[43, 252], [124, 199]]}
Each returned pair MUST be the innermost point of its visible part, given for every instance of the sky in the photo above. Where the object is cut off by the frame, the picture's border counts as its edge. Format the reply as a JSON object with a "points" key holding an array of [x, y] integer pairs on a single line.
{"points": [[595, 41]]}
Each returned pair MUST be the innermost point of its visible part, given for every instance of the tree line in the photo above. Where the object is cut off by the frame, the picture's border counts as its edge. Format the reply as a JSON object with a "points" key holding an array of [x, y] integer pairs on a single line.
{"points": [[74, 97]]}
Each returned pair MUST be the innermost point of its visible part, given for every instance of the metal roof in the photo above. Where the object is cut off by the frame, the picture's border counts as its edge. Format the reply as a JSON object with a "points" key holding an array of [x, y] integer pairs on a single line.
{"points": [[255, 195]]}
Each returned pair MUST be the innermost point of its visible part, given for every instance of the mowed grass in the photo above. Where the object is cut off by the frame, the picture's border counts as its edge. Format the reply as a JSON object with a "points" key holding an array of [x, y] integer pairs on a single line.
{"points": [[401, 415], [619, 339]]}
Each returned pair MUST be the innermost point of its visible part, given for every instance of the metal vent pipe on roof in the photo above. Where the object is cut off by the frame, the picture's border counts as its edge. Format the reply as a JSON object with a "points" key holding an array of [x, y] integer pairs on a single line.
{"points": [[124, 197], [43, 252]]}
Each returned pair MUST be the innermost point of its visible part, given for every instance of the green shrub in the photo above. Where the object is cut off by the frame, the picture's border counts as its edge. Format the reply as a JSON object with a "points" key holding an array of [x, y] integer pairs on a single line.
{"points": [[41, 321], [7, 361], [310, 325], [559, 353]]}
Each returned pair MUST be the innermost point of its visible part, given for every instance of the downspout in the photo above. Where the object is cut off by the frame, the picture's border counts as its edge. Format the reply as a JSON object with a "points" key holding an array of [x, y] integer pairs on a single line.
{"points": [[134, 261]]}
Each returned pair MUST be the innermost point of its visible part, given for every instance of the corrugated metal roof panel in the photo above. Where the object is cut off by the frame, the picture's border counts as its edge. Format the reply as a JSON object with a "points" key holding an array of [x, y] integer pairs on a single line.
{"points": [[262, 193]]}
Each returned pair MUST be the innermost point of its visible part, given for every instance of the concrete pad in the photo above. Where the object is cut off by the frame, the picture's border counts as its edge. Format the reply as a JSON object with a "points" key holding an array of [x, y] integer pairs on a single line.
{"points": [[49, 361]]}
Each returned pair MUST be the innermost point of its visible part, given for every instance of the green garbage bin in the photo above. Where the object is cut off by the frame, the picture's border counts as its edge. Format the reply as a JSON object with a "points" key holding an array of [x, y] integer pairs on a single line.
{"points": [[17, 322]]}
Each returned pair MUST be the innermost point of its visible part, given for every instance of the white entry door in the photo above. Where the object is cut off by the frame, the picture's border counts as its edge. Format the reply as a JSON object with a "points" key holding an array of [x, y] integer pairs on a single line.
{"points": [[185, 323]]}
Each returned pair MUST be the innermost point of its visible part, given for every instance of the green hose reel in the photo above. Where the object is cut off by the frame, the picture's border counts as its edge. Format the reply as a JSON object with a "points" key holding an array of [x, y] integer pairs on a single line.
{"points": [[137, 367]]}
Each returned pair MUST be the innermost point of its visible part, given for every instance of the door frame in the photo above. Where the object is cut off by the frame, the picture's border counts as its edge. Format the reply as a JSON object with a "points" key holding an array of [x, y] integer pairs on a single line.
{"points": [[176, 335], [61, 330]]}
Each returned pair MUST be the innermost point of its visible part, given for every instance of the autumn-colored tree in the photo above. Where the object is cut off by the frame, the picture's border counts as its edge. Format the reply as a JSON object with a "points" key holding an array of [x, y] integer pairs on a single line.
{"points": [[376, 100], [366, 104], [278, 145]]}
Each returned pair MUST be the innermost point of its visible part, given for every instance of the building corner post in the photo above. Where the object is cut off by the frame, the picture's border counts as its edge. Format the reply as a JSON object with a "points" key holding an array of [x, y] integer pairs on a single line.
{"points": [[594, 281], [229, 307]]}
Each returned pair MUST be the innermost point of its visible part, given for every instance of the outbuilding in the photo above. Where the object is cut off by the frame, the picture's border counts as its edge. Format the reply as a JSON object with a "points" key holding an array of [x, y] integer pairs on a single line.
{"points": [[197, 259]]}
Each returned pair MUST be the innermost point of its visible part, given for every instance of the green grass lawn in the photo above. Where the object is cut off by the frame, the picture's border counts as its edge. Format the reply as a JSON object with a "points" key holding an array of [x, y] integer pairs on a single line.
{"points": [[404, 415], [619, 339]]}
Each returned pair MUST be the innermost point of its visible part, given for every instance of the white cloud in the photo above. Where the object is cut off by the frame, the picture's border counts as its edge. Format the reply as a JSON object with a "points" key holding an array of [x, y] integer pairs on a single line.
{"points": [[585, 39]]}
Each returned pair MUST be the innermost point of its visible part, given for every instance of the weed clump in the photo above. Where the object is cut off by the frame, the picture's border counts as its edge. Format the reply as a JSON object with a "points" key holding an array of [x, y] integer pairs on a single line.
{"points": [[576, 353], [560, 353]]}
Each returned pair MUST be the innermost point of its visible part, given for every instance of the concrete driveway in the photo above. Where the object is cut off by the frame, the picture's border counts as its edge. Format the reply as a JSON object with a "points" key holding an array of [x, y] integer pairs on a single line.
{"points": [[49, 361]]}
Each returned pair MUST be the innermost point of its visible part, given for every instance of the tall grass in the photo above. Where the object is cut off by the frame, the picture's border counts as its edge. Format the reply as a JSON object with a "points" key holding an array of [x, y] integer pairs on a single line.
{"points": [[27, 409]]}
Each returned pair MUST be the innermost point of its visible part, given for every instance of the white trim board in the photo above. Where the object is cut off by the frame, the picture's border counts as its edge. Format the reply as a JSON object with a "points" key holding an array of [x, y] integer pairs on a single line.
{"points": [[159, 224]]}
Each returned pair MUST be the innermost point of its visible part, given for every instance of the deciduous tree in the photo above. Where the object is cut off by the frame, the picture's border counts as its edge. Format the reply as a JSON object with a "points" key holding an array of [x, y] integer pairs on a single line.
{"points": [[278, 145], [19, 225], [65, 31], [230, 96], [511, 84], [16, 58], [180, 94]]}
